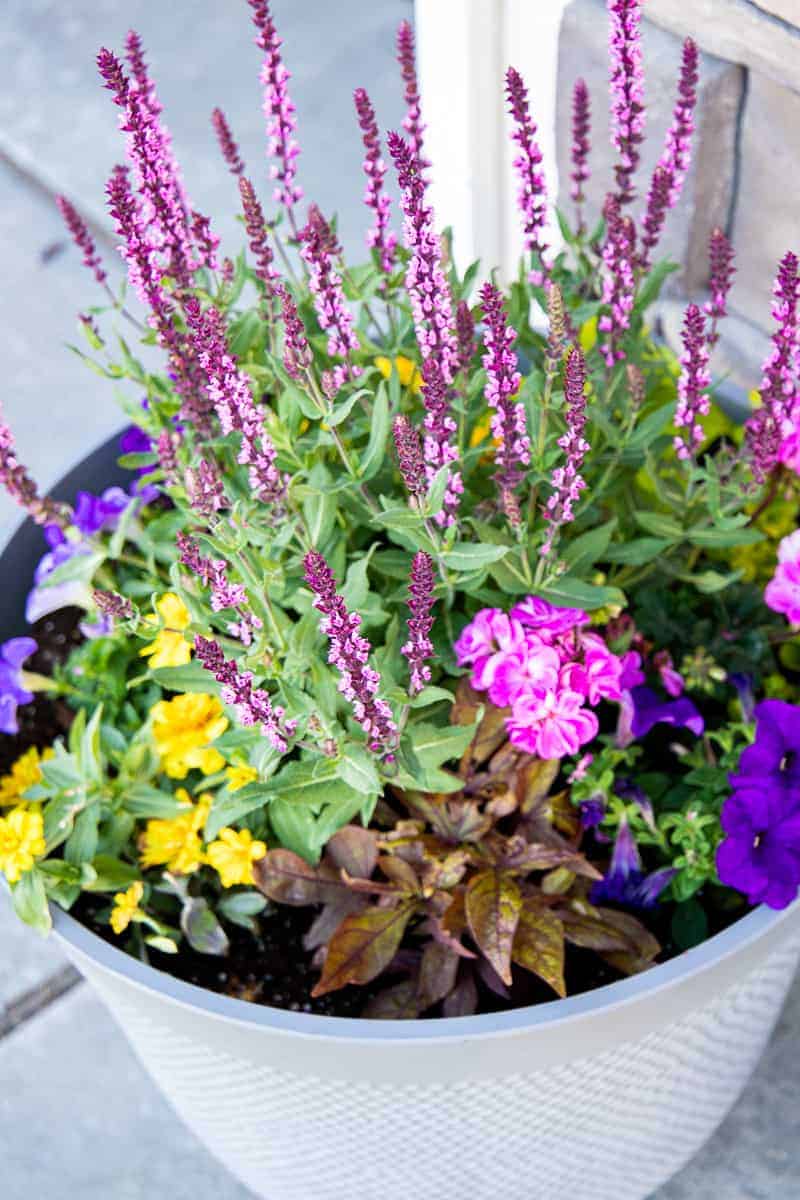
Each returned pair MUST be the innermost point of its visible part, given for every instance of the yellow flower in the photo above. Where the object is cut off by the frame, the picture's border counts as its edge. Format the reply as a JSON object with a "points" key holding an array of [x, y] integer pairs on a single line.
{"points": [[233, 855], [169, 648], [25, 773], [126, 907], [182, 730], [175, 842], [481, 430], [21, 841], [239, 775], [407, 371]]}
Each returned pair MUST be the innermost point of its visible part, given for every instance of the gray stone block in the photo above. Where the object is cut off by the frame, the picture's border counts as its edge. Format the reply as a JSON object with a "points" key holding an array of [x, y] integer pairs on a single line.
{"points": [[761, 34], [707, 193], [27, 960], [766, 217]]}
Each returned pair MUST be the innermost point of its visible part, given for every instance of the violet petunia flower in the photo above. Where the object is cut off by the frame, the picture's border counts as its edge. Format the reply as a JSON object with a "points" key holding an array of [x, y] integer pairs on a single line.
{"points": [[13, 692], [760, 854], [643, 709], [95, 514], [773, 760], [508, 424], [532, 193], [625, 883]]}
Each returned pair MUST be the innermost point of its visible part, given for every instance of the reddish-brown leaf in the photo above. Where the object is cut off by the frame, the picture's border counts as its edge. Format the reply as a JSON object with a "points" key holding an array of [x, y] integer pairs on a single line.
{"points": [[539, 945], [437, 974], [463, 1000], [399, 872], [287, 878], [354, 850], [363, 946], [397, 1003], [493, 902], [537, 780]]}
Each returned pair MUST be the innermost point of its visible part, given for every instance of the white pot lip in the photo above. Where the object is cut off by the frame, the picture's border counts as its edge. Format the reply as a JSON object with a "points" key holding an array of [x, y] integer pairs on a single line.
{"points": [[555, 1013]]}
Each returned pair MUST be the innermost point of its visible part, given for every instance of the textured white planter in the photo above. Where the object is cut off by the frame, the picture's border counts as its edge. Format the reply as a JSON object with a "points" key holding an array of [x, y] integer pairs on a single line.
{"points": [[600, 1097]]}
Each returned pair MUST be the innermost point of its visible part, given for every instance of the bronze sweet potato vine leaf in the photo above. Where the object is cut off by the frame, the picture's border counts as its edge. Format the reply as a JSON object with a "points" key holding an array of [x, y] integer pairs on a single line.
{"points": [[493, 903]]}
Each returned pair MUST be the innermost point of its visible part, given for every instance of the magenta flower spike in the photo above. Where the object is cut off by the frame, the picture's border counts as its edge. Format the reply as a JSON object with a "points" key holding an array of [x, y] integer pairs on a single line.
{"points": [[581, 146], [204, 488], [428, 291], [409, 457], [566, 481], [82, 238], [465, 335], [224, 594], [229, 391], [297, 356], [720, 277], [167, 451], [227, 143], [253, 705], [113, 605], [509, 428], [532, 194], [627, 91], [412, 122], [279, 111], [419, 648], [376, 198], [22, 489], [670, 174], [693, 401], [349, 653], [619, 284], [257, 236], [318, 249], [440, 448], [774, 420]]}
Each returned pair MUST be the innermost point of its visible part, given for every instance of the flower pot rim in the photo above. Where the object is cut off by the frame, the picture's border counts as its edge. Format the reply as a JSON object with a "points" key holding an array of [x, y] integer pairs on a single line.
{"points": [[554, 1013]]}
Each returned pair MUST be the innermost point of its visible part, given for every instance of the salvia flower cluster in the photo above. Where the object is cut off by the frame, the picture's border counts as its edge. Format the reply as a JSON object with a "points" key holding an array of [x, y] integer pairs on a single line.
{"points": [[427, 597]]}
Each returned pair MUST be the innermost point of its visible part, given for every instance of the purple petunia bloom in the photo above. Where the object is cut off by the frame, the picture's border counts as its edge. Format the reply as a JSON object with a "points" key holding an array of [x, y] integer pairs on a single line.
{"points": [[642, 709], [12, 691], [93, 514], [760, 855], [625, 882], [774, 758]]}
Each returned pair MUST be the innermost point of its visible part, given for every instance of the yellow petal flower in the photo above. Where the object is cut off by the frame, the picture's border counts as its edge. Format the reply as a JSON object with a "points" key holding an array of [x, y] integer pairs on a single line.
{"points": [[169, 648], [175, 842], [408, 372], [239, 775], [126, 907], [21, 841], [182, 730], [25, 773], [232, 855]]}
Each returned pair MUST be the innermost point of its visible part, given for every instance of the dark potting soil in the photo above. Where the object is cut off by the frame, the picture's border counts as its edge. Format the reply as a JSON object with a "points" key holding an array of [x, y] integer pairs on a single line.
{"points": [[271, 967]]}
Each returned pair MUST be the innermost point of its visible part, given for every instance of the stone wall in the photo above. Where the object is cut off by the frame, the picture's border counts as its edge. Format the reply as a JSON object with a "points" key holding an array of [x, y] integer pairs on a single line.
{"points": [[746, 164]]}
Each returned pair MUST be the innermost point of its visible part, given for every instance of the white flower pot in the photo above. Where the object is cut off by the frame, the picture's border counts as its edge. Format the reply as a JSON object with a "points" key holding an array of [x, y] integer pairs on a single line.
{"points": [[600, 1097]]}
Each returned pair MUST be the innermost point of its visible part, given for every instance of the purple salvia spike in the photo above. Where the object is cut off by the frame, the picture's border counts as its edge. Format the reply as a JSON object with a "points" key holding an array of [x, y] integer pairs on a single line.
{"points": [[412, 122], [253, 705], [509, 429], [167, 451], [146, 277], [22, 489], [774, 420], [318, 250], [409, 457], [532, 194], [349, 653], [693, 401], [440, 445], [297, 356], [227, 144], [206, 243], [567, 481], [619, 284], [627, 91], [82, 238], [279, 111], [229, 391], [465, 335], [224, 594], [257, 236], [431, 302], [112, 605], [419, 647], [670, 174], [720, 278], [581, 146], [204, 488], [376, 198]]}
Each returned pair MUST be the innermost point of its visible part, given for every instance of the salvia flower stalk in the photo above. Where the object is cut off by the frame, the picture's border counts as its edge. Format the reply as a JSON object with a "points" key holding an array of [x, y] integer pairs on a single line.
{"points": [[512, 454], [627, 91], [419, 648], [376, 198], [227, 142], [693, 399], [319, 249], [774, 420], [720, 277], [581, 147], [82, 238], [619, 283], [412, 121], [253, 704], [567, 481], [532, 193], [279, 111]]}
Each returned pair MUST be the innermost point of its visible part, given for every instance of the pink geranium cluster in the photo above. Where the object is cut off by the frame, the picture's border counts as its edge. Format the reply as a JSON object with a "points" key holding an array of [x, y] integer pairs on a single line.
{"points": [[542, 663], [783, 590]]}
